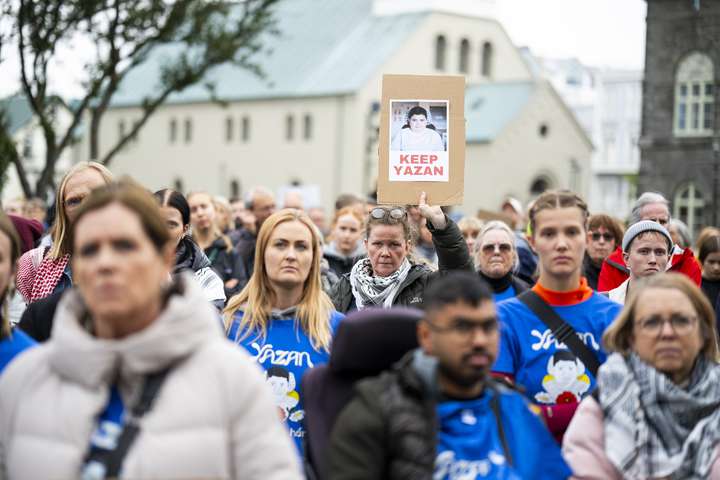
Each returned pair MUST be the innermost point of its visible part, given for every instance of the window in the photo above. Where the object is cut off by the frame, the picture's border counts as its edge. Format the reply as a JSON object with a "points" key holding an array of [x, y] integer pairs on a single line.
{"points": [[188, 130], [28, 146], [136, 136], [289, 127], [173, 130], [121, 130], [229, 128], [694, 96], [307, 127], [543, 130], [440, 45], [486, 60], [539, 185], [235, 188], [245, 129], [464, 55], [178, 185], [688, 206]]}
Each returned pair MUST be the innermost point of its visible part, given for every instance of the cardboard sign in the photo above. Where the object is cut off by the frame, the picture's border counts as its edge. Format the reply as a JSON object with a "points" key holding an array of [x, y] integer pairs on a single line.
{"points": [[422, 139]]}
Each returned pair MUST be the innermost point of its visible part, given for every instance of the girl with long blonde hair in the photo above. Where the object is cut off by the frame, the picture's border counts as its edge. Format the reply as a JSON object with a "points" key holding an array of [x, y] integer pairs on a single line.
{"points": [[283, 317]]}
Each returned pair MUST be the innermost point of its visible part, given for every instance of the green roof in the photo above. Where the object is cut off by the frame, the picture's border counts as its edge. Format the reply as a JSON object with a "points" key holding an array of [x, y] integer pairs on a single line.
{"points": [[490, 107], [324, 47], [17, 112]]}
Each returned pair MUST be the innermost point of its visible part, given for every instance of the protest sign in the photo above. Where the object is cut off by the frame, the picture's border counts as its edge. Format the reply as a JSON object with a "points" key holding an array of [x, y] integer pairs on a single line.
{"points": [[422, 139]]}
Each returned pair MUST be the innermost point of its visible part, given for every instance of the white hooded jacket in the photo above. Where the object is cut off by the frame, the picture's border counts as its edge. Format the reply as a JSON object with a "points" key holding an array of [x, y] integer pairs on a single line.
{"points": [[213, 417]]}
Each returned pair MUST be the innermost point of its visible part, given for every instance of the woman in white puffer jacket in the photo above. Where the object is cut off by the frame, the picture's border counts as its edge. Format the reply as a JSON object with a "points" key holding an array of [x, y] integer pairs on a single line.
{"points": [[64, 404]]}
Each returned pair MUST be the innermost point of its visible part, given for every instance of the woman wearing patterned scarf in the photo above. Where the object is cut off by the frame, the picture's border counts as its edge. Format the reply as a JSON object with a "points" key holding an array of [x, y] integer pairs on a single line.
{"points": [[387, 276], [656, 412], [45, 270]]}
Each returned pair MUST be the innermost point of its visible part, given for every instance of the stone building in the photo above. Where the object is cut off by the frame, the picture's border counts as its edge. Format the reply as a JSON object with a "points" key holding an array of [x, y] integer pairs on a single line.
{"points": [[680, 138]]}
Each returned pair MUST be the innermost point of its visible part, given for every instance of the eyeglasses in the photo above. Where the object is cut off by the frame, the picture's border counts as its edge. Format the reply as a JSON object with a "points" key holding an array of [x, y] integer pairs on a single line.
{"points": [[464, 328], [489, 248], [596, 236], [382, 213], [681, 324]]}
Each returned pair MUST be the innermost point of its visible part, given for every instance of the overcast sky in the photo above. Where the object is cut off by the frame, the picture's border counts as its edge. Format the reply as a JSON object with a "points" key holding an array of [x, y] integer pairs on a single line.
{"points": [[599, 33]]}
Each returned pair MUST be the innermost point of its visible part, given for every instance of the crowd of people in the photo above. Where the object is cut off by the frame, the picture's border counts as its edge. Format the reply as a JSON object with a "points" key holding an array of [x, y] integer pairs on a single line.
{"points": [[177, 335]]}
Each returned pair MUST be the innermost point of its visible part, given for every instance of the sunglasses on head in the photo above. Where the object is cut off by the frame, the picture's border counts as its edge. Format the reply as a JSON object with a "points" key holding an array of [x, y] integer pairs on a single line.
{"points": [[596, 236], [381, 213]]}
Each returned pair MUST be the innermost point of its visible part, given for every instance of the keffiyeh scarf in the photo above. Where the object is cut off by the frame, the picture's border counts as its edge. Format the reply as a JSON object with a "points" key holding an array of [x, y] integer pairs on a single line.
{"points": [[373, 291], [654, 428]]}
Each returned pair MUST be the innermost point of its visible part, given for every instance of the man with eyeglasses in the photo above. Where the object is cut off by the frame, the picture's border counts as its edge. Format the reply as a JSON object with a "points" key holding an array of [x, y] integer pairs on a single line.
{"points": [[438, 414], [604, 234], [646, 250], [649, 206]]}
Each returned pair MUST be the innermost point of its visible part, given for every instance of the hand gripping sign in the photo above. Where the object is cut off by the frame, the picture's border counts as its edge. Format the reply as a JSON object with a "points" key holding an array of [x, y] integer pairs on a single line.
{"points": [[422, 139]]}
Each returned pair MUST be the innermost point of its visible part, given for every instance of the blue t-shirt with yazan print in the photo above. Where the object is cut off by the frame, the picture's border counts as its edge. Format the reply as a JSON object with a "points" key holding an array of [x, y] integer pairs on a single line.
{"points": [[469, 444], [285, 353], [550, 373]]}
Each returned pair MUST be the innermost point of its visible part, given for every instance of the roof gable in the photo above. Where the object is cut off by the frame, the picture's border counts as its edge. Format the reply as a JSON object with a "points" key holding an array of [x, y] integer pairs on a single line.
{"points": [[490, 107], [325, 47], [17, 112]]}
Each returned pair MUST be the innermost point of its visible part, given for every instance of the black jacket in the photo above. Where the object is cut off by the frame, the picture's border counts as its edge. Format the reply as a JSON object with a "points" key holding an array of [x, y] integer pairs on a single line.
{"points": [[452, 254], [37, 319], [591, 272], [245, 247], [389, 430], [227, 264], [340, 264]]}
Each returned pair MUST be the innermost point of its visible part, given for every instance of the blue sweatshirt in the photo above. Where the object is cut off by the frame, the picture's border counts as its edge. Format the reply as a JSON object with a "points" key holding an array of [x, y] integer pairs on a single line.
{"points": [[17, 342], [469, 444], [285, 354]]}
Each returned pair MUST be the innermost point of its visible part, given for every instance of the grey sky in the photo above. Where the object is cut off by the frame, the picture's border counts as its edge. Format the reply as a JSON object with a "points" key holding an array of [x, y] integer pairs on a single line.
{"points": [[599, 33]]}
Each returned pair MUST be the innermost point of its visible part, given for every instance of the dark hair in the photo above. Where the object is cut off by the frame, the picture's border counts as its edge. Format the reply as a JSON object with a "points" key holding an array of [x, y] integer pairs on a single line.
{"points": [[456, 287], [563, 355], [408, 230], [347, 199], [275, 371], [132, 196], [710, 245], [7, 227], [167, 197], [609, 223], [417, 110]]}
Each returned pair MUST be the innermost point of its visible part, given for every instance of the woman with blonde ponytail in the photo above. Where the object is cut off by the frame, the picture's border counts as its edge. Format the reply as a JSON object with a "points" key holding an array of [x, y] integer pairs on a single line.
{"points": [[12, 342], [283, 317]]}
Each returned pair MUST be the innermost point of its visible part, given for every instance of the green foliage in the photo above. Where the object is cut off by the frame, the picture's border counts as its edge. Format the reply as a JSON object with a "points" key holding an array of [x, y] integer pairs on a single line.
{"points": [[8, 152], [125, 33]]}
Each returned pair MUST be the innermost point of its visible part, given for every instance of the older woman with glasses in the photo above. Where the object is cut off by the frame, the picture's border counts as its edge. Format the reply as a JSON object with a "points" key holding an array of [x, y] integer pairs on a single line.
{"points": [[495, 259], [388, 276], [656, 411]]}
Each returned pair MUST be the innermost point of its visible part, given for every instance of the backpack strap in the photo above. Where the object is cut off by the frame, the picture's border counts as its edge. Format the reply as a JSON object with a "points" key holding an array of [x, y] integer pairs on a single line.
{"points": [[562, 330], [495, 407]]}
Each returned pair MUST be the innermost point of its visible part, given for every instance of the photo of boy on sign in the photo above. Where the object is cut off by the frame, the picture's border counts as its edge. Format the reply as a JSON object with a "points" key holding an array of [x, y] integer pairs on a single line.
{"points": [[419, 133]]}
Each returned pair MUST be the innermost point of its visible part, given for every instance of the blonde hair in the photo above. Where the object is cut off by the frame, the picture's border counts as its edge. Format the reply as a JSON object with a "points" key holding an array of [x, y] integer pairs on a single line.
{"points": [[61, 227], [258, 296], [8, 228], [617, 337], [503, 227], [217, 233]]}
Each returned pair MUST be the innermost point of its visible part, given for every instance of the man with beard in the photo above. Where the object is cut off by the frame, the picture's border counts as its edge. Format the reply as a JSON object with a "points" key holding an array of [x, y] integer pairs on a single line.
{"points": [[438, 414]]}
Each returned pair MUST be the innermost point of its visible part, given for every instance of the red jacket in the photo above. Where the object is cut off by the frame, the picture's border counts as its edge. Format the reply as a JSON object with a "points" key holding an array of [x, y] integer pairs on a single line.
{"points": [[614, 271]]}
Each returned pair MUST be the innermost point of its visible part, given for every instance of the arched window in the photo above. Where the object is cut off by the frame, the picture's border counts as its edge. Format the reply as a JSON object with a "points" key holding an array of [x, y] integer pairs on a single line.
{"points": [[464, 55], [234, 188], [440, 45], [694, 96], [688, 206], [178, 185], [289, 127], [486, 60], [539, 185]]}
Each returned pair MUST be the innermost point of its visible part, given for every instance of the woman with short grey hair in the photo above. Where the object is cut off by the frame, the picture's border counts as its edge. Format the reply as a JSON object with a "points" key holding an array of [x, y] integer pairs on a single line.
{"points": [[496, 259]]}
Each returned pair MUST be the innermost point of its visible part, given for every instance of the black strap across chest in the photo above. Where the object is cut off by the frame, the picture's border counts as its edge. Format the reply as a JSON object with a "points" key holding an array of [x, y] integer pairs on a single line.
{"points": [[112, 460], [562, 331]]}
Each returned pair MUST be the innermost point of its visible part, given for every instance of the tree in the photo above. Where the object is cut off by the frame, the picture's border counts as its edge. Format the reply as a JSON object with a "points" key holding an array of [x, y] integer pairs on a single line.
{"points": [[125, 34]]}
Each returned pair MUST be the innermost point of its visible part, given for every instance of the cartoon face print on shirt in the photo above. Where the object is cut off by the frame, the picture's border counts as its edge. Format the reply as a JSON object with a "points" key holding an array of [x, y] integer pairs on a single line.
{"points": [[282, 384], [566, 380]]}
